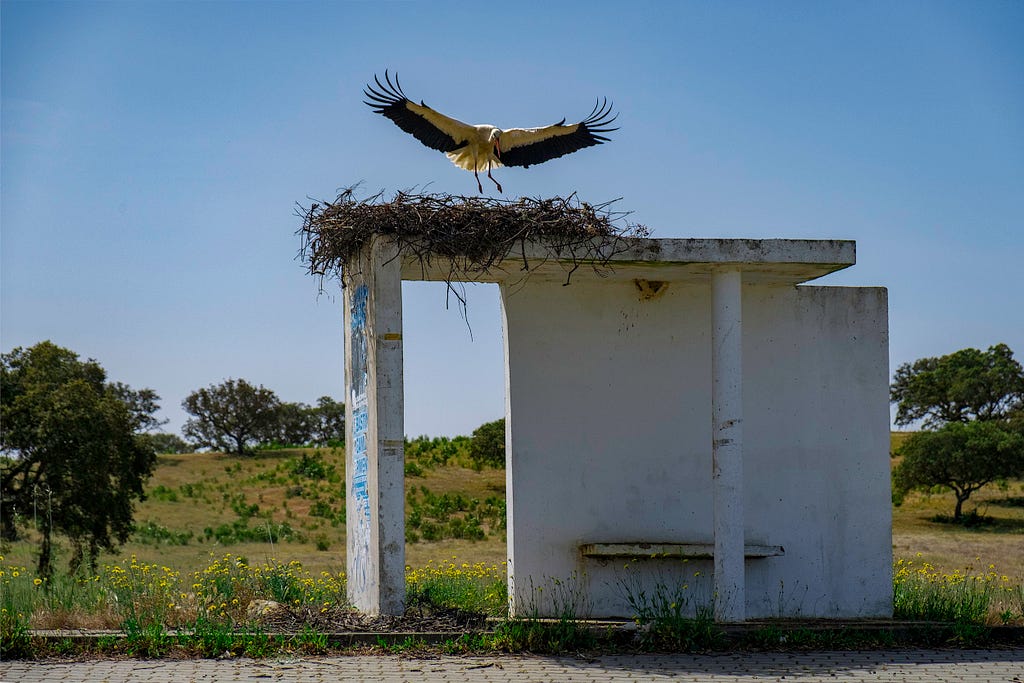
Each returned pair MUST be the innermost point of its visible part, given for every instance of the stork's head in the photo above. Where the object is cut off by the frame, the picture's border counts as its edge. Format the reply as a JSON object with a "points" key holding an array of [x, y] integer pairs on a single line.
{"points": [[495, 139]]}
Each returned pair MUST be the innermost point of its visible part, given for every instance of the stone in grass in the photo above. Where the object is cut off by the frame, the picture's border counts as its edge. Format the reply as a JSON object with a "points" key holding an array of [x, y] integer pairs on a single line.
{"points": [[265, 610]]}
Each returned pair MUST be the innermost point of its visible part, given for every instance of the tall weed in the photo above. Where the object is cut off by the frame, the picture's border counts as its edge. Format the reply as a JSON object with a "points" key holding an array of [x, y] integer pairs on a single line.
{"points": [[920, 592], [669, 616], [565, 631]]}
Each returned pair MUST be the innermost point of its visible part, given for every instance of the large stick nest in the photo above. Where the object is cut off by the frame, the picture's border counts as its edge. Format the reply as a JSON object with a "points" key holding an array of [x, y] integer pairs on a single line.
{"points": [[470, 235]]}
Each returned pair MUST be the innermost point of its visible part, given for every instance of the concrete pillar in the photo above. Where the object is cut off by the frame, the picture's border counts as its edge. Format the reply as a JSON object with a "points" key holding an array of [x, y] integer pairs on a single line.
{"points": [[727, 443], [374, 431]]}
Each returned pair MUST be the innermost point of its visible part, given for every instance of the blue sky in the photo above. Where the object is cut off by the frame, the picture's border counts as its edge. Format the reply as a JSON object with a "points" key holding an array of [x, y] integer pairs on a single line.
{"points": [[153, 154]]}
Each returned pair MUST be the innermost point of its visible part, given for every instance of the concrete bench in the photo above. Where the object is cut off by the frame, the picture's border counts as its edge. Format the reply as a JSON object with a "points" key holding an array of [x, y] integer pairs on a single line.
{"points": [[703, 551]]}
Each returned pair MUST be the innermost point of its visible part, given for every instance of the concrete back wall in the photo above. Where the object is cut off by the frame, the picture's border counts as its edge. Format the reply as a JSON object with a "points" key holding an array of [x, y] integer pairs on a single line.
{"points": [[609, 440]]}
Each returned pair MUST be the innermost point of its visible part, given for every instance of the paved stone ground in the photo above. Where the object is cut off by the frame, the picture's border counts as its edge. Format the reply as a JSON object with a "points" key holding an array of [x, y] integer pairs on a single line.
{"points": [[913, 666]]}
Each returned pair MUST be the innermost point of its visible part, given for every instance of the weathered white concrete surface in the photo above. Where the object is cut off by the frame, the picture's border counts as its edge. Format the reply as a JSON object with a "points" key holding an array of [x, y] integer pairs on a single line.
{"points": [[374, 431], [611, 434], [610, 440], [727, 442], [763, 261], [816, 455]]}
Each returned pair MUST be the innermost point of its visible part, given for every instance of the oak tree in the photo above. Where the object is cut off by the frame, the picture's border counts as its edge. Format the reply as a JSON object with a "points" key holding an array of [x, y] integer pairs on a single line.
{"points": [[231, 416], [487, 445], [75, 458], [971, 407], [329, 422], [959, 387], [961, 456]]}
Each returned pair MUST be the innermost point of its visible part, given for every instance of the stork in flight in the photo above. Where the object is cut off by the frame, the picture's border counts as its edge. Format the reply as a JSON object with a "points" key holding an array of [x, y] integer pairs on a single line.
{"points": [[483, 147]]}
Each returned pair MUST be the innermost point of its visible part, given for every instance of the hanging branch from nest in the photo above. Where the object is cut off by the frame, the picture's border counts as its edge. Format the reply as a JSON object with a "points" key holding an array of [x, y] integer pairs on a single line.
{"points": [[471, 234]]}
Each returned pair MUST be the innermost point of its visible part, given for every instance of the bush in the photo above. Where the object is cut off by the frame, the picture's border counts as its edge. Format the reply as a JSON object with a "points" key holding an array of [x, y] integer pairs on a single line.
{"points": [[240, 532], [164, 493], [156, 534], [487, 445], [311, 467], [424, 453], [451, 515], [164, 443]]}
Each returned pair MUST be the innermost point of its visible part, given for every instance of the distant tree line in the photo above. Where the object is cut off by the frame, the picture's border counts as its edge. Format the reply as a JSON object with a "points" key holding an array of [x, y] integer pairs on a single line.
{"points": [[485, 448], [237, 417]]}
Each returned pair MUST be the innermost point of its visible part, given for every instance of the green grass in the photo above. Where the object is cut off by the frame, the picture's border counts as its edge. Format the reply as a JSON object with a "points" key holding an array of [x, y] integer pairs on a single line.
{"points": [[290, 503], [921, 592], [478, 588], [243, 501], [239, 499], [15, 642], [211, 621], [542, 636], [663, 618], [963, 603]]}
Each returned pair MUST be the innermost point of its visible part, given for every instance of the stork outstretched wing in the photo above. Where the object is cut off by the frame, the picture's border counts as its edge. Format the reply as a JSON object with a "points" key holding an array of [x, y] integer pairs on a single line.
{"points": [[431, 127], [528, 146]]}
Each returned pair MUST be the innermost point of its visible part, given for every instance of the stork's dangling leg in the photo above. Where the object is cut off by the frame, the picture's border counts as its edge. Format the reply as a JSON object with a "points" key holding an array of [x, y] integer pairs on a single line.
{"points": [[495, 181], [491, 177], [479, 187]]}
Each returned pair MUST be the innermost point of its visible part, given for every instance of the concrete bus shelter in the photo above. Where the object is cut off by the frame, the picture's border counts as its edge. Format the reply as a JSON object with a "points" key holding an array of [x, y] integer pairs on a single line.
{"points": [[689, 418]]}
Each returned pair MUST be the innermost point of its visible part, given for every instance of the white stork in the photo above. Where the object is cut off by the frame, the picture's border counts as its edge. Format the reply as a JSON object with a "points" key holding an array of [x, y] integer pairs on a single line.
{"points": [[483, 147]]}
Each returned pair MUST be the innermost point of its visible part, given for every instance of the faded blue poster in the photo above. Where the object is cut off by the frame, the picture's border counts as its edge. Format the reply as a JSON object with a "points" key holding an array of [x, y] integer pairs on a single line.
{"points": [[360, 565]]}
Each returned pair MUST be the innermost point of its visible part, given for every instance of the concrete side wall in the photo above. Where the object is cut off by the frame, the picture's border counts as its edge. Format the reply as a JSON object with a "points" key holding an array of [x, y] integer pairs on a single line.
{"points": [[609, 440], [817, 461]]}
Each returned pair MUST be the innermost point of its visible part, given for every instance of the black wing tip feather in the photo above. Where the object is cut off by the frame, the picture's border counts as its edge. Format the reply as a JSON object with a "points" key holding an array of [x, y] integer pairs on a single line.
{"points": [[389, 100], [599, 120], [384, 96]]}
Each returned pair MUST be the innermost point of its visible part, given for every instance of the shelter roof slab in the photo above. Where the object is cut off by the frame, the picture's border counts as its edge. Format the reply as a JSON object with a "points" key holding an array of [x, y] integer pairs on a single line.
{"points": [[772, 261]]}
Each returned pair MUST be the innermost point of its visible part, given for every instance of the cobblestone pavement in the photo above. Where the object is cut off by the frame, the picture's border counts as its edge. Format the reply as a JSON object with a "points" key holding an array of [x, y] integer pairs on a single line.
{"points": [[931, 666]]}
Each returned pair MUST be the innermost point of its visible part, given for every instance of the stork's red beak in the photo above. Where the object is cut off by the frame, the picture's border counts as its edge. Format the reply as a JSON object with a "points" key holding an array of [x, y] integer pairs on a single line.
{"points": [[497, 146]]}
